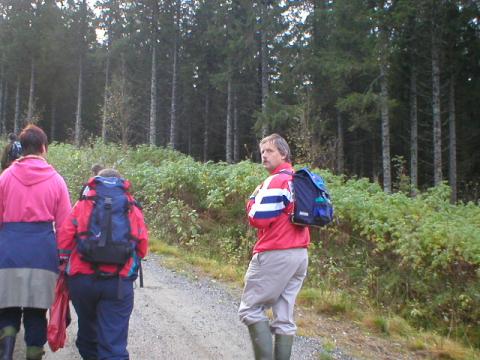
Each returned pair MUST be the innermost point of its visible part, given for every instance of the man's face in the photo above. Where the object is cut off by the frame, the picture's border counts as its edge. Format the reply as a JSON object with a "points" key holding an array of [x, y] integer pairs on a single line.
{"points": [[271, 157]]}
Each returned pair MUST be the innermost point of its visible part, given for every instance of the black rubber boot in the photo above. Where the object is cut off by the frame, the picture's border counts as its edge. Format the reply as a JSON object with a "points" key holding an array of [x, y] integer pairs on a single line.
{"points": [[261, 340], [283, 346], [35, 352], [7, 342]]}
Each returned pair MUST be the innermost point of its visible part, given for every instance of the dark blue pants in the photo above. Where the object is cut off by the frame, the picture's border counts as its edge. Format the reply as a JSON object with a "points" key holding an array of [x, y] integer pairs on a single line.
{"points": [[103, 311], [34, 322]]}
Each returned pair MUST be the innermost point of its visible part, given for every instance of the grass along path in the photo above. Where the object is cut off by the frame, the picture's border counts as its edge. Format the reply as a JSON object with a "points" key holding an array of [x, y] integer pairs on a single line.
{"points": [[362, 334]]}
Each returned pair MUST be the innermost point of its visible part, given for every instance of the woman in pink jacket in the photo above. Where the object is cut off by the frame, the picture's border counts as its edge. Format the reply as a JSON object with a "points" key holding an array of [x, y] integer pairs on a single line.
{"points": [[34, 201]]}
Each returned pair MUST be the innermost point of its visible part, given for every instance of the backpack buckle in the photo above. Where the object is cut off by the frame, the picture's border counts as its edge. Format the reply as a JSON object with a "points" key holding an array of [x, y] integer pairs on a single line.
{"points": [[108, 203]]}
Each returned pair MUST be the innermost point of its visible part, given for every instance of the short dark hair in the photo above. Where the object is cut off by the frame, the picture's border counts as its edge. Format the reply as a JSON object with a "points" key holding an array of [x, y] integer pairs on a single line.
{"points": [[280, 143], [96, 168], [12, 137], [33, 139]]}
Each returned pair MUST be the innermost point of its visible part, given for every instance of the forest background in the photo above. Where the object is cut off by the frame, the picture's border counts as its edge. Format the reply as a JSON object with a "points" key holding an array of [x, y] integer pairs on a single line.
{"points": [[383, 95], [387, 90]]}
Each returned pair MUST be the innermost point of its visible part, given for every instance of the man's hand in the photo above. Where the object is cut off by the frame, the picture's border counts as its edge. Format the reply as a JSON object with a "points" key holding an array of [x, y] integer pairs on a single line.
{"points": [[63, 264]]}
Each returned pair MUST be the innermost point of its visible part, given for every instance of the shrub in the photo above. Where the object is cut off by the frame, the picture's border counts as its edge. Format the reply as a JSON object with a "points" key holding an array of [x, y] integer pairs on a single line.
{"points": [[419, 257]]}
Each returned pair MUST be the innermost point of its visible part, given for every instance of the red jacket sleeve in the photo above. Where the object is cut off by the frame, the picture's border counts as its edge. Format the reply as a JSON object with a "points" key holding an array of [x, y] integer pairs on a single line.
{"points": [[139, 231], [67, 231], [63, 207], [273, 198]]}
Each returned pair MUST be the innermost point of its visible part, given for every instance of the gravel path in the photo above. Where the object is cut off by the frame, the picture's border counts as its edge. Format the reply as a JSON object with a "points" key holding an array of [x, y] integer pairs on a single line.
{"points": [[184, 317]]}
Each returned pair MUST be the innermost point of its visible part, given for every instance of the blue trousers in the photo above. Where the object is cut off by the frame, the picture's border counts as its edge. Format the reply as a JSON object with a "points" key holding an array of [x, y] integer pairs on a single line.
{"points": [[103, 311], [34, 322]]}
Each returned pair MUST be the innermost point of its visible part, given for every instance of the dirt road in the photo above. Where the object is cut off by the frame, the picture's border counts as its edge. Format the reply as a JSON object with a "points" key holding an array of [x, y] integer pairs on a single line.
{"points": [[183, 317]]}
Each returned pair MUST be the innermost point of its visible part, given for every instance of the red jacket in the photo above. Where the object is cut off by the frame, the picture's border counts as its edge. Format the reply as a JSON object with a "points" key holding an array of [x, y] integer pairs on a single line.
{"points": [[269, 211], [77, 222]]}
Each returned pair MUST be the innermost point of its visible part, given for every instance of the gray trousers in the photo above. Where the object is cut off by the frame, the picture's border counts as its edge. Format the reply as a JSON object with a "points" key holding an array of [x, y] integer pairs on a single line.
{"points": [[273, 280]]}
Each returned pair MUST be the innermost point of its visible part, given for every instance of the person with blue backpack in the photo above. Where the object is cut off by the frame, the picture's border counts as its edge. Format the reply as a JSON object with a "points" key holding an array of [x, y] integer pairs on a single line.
{"points": [[279, 264], [102, 243], [11, 152]]}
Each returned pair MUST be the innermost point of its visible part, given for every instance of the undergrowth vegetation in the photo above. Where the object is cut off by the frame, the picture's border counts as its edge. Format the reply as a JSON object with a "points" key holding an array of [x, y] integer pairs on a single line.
{"points": [[415, 257]]}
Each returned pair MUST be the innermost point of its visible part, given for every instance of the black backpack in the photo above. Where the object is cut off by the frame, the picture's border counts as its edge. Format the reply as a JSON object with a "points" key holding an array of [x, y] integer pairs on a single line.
{"points": [[108, 240], [312, 202]]}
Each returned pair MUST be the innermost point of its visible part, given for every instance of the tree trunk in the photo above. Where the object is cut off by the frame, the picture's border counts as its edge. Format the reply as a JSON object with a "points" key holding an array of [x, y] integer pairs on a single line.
{"points": [[82, 50], [228, 132], [2, 82], [206, 124], [173, 110], [53, 118], [236, 142], [356, 153], [387, 175], [31, 93], [437, 122], [452, 169], [124, 99], [340, 145], [153, 97], [16, 119], [375, 168], [3, 115], [264, 65], [189, 136], [106, 92], [413, 132], [78, 113]]}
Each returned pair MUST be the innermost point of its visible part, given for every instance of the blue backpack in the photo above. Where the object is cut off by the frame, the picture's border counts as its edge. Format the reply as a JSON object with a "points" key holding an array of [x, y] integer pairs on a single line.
{"points": [[312, 202], [108, 239], [15, 151]]}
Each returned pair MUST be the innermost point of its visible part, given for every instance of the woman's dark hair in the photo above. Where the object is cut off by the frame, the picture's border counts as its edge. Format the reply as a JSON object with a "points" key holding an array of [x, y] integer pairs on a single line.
{"points": [[96, 168], [32, 139]]}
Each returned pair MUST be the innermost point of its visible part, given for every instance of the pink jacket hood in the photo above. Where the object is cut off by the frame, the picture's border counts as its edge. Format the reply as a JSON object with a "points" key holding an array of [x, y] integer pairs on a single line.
{"points": [[31, 171]]}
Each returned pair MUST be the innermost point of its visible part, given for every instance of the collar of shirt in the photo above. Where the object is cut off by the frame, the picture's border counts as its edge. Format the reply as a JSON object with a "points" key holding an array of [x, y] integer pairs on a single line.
{"points": [[284, 166]]}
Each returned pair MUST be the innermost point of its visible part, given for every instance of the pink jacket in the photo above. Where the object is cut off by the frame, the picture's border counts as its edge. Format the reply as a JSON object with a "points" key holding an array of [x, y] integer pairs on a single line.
{"points": [[31, 190]]}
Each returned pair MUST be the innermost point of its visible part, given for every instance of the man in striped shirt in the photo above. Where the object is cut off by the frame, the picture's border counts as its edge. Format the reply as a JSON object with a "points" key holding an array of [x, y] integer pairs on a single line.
{"points": [[279, 263]]}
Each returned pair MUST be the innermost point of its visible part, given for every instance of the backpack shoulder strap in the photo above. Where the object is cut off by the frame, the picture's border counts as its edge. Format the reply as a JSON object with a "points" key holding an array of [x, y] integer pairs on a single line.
{"points": [[107, 223], [285, 171], [132, 201], [87, 193], [15, 150]]}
